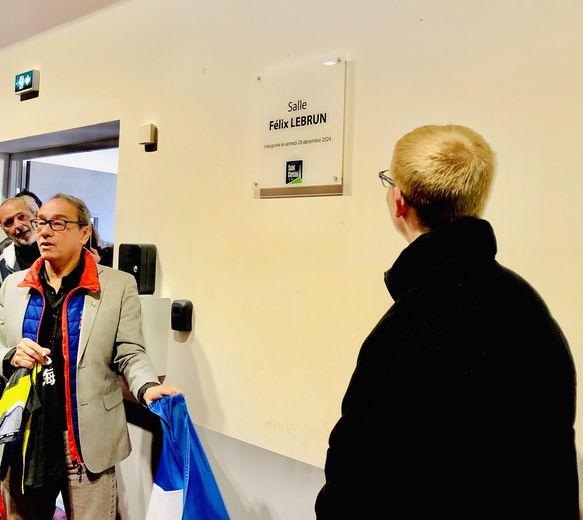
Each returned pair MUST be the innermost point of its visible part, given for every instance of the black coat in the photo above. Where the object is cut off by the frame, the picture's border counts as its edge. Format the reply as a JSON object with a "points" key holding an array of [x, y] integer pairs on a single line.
{"points": [[462, 403]]}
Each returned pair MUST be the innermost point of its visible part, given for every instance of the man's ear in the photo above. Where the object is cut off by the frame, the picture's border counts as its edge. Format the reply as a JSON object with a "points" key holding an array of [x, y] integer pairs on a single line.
{"points": [[85, 234], [401, 205]]}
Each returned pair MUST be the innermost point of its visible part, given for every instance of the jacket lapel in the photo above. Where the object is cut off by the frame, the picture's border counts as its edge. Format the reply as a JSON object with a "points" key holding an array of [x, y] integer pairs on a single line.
{"points": [[90, 307]]}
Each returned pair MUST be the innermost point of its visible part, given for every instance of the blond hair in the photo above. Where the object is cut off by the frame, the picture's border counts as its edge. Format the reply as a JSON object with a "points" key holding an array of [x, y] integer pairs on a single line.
{"points": [[444, 171]]}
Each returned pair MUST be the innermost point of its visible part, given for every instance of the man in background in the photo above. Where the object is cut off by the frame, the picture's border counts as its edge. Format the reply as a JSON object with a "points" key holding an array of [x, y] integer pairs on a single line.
{"points": [[21, 250]]}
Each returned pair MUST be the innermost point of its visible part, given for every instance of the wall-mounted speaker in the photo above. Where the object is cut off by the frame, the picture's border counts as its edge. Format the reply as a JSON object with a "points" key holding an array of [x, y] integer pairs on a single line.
{"points": [[140, 261], [181, 315]]}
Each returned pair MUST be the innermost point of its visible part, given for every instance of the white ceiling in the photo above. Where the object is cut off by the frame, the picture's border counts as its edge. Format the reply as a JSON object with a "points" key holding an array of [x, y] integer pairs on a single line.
{"points": [[22, 20], [97, 160]]}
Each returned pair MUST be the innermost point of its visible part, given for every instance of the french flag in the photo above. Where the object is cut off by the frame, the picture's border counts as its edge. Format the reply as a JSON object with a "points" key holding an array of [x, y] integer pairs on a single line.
{"points": [[184, 486]]}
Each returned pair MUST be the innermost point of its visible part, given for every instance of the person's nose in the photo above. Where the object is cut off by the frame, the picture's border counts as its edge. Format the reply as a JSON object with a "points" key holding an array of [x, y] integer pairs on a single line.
{"points": [[44, 231]]}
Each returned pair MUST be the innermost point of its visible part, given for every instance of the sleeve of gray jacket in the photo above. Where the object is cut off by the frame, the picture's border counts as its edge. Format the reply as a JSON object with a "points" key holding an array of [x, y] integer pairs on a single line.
{"points": [[130, 353]]}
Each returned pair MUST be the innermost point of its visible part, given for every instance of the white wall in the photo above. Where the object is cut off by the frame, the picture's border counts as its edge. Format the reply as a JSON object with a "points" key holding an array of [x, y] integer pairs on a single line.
{"points": [[253, 370], [96, 188]]}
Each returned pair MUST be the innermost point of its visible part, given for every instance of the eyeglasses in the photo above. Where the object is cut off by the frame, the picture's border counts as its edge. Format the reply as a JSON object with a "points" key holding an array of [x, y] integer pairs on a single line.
{"points": [[386, 180], [58, 224]]}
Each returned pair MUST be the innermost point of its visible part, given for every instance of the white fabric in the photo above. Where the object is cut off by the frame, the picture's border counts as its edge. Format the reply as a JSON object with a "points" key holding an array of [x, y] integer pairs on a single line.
{"points": [[164, 505], [10, 255]]}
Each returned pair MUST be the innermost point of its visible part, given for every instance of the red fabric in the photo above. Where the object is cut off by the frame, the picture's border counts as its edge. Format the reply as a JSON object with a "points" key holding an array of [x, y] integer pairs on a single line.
{"points": [[89, 278]]}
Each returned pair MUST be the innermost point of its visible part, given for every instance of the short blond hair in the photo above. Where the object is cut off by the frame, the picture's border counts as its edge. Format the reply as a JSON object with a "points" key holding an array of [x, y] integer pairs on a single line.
{"points": [[444, 171]]}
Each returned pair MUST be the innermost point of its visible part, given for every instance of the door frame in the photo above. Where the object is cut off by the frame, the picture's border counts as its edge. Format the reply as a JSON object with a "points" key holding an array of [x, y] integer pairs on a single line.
{"points": [[75, 140]]}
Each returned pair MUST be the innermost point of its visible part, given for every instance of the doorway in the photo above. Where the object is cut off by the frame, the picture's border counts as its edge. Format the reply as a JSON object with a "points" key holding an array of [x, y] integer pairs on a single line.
{"points": [[81, 162]]}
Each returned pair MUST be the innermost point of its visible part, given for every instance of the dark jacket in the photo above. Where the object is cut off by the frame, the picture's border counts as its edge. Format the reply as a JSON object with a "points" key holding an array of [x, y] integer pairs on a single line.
{"points": [[462, 403]]}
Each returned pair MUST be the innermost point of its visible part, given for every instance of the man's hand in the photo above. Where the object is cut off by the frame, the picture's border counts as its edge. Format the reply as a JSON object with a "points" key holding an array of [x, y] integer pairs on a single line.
{"points": [[28, 353], [157, 392]]}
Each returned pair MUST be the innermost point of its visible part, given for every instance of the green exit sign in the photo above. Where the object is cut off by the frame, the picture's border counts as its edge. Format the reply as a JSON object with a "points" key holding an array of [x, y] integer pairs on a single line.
{"points": [[26, 82]]}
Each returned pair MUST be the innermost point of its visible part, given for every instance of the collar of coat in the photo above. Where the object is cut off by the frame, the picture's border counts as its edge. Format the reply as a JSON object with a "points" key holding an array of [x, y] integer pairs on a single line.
{"points": [[450, 250], [89, 278]]}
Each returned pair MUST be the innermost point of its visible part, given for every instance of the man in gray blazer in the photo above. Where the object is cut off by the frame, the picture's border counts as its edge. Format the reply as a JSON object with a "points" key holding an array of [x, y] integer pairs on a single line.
{"points": [[80, 323]]}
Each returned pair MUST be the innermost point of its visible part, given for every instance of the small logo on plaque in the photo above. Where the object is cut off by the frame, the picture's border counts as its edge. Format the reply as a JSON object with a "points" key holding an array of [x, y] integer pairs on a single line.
{"points": [[293, 172]]}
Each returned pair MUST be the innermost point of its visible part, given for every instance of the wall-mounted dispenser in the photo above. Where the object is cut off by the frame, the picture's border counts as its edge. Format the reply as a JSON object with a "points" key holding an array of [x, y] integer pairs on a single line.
{"points": [[140, 261], [182, 315]]}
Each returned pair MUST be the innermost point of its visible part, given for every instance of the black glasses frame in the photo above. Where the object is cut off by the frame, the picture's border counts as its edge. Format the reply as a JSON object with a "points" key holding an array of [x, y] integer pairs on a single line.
{"points": [[61, 224], [386, 179]]}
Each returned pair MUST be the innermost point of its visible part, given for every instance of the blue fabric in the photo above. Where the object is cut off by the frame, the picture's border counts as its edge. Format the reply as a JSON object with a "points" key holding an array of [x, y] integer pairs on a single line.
{"points": [[33, 315], [183, 463], [30, 327]]}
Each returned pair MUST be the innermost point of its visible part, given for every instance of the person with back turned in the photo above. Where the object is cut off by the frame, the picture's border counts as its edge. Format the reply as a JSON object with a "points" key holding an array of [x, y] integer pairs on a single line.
{"points": [[80, 323], [462, 402]]}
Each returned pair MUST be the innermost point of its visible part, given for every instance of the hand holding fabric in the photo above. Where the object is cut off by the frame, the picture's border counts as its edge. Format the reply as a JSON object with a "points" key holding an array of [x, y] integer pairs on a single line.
{"points": [[157, 392]]}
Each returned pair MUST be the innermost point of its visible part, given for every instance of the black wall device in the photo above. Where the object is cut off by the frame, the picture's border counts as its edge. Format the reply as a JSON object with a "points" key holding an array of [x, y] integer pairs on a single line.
{"points": [[140, 261], [182, 315]]}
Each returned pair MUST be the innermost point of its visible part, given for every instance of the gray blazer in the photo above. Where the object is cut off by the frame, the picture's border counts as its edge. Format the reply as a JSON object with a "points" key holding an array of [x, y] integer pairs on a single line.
{"points": [[111, 343]]}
